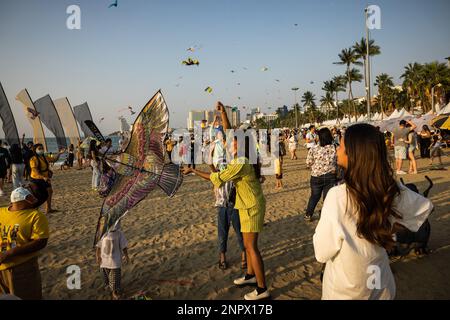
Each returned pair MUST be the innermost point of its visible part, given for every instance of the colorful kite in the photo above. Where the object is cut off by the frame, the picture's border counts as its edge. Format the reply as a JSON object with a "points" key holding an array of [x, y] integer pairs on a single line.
{"points": [[208, 89], [141, 168], [190, 62]]}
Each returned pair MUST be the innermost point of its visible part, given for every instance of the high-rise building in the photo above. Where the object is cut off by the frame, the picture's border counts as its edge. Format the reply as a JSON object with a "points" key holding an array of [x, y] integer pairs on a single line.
{"points": [[236, 118], [193, 117], [209, 116]]}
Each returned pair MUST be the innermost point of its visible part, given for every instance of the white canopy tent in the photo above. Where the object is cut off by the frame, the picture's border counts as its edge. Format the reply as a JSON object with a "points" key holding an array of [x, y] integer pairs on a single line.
{"points": [[445, 110], [394, 115]]}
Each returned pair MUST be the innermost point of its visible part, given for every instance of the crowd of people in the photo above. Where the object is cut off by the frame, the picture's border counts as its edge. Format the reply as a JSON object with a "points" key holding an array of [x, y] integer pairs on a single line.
{"points": [[361, 212]]}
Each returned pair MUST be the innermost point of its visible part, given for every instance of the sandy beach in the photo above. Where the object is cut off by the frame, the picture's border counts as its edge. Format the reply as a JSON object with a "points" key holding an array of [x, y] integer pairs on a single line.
{"points": [[173, 242]]}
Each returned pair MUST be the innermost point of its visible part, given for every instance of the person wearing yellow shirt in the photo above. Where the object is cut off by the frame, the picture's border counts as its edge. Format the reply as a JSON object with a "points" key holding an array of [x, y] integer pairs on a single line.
{"points": [[41, 173], [251, 204], [24, 232]]}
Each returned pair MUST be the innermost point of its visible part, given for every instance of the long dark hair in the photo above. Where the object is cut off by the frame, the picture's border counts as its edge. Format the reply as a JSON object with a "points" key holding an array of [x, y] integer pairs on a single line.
{"points": [[325, 137], [372, 194], [426, 128]]}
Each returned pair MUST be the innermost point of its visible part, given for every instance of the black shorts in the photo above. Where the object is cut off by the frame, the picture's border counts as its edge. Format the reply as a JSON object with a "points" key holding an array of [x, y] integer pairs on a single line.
{"points": [[42, 183]]}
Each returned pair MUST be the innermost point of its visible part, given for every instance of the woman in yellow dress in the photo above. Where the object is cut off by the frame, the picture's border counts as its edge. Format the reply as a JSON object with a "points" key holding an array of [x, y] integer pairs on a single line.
{"points": [[251, 204]]}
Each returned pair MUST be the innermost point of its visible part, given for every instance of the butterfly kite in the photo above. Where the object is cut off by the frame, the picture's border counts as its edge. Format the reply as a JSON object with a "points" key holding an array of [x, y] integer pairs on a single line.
{"points": [[33, 113], [190, 62], [141, 168]]}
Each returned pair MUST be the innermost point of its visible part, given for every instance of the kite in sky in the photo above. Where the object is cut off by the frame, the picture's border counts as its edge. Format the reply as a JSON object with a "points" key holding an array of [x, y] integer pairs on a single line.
{"points": [[193, 48], [208, 89], [277, 80], [190, 62], [101, 119], [264, 69], [115, 4], [141, 168]]}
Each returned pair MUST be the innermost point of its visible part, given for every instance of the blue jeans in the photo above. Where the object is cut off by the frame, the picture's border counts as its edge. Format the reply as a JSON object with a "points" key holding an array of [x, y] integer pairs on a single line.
{"points": [[319, 185], [225, 217]]}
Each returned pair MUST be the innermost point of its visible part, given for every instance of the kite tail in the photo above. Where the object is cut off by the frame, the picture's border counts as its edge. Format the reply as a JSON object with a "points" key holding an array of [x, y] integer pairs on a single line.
{"points": [[171, 179]]}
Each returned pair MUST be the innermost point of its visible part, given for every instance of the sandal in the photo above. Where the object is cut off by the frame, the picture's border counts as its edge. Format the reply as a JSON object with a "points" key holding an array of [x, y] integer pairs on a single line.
{"points": [[223, 265]]}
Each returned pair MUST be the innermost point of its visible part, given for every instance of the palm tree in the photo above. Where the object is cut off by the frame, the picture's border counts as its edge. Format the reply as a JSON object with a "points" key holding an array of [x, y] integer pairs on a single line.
{"points": [[338, 85], [384, 83], [412, 78], [354, 75], [361, 52], [349, 57], [309, 101], [327, 101], [419, 80]]}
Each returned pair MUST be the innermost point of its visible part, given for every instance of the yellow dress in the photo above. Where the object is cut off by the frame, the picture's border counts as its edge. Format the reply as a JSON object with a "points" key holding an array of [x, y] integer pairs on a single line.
{"points": [[250, 199]]}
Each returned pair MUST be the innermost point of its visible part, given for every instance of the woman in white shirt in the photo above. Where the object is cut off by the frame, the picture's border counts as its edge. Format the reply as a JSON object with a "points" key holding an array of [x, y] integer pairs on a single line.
{"points": [[293, 146], [359, 219]]}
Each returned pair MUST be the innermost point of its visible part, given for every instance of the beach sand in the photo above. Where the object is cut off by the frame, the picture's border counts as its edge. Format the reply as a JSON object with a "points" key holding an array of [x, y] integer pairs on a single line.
{"points": [[173, 242]]}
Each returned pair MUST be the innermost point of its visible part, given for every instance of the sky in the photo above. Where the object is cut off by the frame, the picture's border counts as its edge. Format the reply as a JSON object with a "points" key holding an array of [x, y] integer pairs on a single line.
{"points": [[122, 56]]}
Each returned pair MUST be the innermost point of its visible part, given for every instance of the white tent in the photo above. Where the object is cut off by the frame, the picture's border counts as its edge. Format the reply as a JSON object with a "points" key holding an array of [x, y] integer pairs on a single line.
{"points": [[375, 116], [445, 110], [394, 115], [353, 120], [345, 120], [403, 113], [362, 118]]}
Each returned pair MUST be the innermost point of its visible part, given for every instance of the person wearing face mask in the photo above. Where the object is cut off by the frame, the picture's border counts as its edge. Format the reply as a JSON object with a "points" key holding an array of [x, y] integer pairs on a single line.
{"points": [[24, 232], [41, 173]]}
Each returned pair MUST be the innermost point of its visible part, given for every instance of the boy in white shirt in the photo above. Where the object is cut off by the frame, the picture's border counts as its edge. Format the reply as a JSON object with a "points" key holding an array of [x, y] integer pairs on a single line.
{"points": [[111, 249], [311, 137]]}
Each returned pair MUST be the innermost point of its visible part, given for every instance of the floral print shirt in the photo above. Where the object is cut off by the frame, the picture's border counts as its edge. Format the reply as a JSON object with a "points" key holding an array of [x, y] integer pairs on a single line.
{"points": [[322, 160]]}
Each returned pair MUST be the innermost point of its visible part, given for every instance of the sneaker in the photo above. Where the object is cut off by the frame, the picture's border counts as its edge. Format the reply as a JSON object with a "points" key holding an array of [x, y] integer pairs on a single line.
{"points": [[253, 296], [242, 282], [401, 172]]}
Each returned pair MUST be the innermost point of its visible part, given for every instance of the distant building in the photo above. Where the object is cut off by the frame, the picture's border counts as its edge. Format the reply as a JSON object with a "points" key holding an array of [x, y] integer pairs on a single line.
{"points": [[266, 117], [283, 111], [236, 118], [194, 116]]}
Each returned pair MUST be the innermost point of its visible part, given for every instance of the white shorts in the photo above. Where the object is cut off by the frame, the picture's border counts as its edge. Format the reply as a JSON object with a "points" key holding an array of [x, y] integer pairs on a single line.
{"points": [[400, 152]]}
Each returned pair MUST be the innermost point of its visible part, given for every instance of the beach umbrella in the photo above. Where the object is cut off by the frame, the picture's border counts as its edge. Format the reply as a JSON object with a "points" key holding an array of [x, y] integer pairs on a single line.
{"points": [[441, 122]]}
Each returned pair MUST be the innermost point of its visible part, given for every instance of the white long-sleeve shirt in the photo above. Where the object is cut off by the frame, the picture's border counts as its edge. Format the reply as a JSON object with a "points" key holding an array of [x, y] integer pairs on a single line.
{"points": [[353, 263]]}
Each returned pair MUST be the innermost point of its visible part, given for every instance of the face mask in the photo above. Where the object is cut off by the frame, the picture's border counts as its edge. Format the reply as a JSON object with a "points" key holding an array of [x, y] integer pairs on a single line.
{"points": [[39, 152]]}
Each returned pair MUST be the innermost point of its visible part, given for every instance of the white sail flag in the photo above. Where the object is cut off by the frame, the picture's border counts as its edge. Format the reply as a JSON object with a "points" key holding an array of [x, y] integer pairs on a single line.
{"points": [[50, 118], [32, 116], [82, 113], [67, 120]]}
